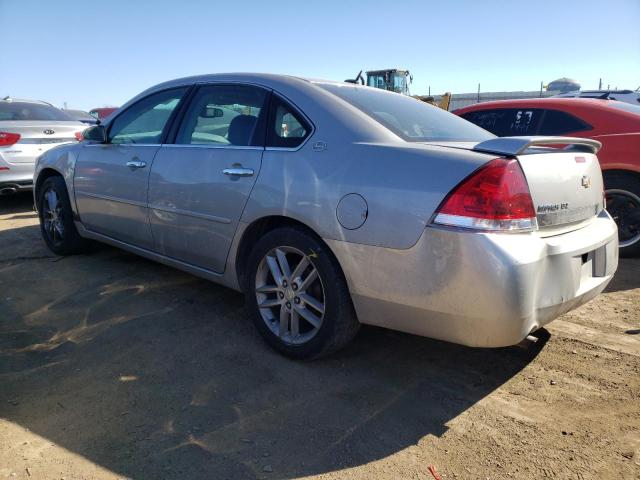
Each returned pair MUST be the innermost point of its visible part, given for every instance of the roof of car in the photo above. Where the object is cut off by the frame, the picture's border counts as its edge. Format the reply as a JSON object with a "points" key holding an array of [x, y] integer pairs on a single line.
{"points": [[24, 100], [530, 102], [233, 76]]}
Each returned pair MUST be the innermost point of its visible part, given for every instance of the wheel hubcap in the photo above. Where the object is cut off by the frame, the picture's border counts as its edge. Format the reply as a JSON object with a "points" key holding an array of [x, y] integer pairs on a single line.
{"points": [[624, 207], [53, 216], [290, 295]]}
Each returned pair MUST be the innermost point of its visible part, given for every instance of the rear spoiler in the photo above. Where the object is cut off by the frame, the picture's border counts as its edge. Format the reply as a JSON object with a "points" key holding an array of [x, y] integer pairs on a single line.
{"points": [[513, 146]]}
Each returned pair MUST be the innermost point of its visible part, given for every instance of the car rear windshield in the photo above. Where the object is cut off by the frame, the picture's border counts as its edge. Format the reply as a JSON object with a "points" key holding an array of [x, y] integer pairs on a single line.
{"points": [[407, 117], [31, 111]]}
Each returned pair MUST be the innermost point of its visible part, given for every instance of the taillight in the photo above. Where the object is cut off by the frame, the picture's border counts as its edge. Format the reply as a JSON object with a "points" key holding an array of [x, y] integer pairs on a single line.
{"points": [[79, 136], [7, 138], [496, 197]]}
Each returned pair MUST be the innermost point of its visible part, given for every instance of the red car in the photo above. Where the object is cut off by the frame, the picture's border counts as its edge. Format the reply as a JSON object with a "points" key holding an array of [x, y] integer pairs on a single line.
{"points": [[103, 112], [615, 124]]}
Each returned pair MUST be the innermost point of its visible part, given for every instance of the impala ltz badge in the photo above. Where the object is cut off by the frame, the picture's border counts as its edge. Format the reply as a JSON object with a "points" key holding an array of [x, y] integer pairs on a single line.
{"points": [[552, 207], [586, 181], [48, 131]]}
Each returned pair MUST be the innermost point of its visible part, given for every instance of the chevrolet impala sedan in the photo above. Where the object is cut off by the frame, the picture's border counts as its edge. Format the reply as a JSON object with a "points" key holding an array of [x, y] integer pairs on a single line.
{"points": [[333, 204]]}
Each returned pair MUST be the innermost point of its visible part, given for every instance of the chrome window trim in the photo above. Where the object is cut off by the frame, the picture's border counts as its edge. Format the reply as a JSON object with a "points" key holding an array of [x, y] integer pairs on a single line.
{"points": [[213, 145], [123, 145]]}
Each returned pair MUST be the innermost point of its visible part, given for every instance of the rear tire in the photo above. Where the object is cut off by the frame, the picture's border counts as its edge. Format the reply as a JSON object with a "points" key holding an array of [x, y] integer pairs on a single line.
{"points": [[297, 295], [56, 219], [623, 203]]}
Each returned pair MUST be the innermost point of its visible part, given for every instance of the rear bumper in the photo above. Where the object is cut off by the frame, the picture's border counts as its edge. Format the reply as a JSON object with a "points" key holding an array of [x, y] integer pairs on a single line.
{"points": [[17, 176], [479, 289]]}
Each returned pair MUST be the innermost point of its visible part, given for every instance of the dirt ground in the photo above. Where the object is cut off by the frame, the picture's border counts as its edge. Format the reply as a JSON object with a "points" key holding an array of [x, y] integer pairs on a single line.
{"points": [[112, 366]]}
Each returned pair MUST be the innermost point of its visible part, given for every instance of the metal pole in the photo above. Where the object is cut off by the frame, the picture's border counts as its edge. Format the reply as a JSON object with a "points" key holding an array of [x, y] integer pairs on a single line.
{"points": [[478, 93], [600, 84], [541, 83]]}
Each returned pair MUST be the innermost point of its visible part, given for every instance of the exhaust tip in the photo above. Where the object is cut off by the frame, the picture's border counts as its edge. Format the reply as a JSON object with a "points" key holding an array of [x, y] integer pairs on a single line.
{"points": [[8, 190], [528, 341]]}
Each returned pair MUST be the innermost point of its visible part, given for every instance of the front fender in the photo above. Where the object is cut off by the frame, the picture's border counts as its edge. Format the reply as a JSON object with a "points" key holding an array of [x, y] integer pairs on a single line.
{"points": [[57, 161]]}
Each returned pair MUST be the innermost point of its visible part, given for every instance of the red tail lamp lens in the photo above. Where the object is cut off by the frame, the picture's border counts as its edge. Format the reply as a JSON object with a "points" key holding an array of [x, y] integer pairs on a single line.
{"points": [[490, 198], [7, 138]]}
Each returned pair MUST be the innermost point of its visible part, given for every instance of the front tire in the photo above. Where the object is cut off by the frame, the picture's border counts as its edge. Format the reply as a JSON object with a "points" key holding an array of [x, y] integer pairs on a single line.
{"points": [[297, 295], [56, 218], [623, 203]]}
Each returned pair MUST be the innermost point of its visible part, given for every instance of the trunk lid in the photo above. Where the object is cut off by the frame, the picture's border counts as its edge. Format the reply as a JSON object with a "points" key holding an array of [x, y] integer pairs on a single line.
{"points": [[566, 188], [33, 139]]}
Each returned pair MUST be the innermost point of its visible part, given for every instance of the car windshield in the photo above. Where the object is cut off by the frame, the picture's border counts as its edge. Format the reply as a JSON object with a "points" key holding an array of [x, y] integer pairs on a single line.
{"points": [[407, 117], [627, 107], [31, 111]]}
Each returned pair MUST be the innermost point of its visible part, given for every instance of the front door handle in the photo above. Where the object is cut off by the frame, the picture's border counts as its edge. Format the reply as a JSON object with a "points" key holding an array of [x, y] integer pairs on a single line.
{"points": [[133, 164], [238, 172]]}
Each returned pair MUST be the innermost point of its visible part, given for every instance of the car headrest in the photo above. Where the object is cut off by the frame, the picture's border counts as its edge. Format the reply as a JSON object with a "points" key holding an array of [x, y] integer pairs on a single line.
{"points": [[241, 129]]}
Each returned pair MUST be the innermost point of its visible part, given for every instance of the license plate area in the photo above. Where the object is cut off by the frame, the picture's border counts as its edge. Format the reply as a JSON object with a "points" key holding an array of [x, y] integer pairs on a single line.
{"points": [[594, 263]]}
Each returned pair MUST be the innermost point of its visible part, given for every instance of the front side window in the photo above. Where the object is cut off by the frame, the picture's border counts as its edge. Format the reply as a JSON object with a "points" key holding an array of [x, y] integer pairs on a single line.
{"points": [[286, 128], [145, 121], [376, 81], [409, 118], [224, 115], [399, 82]]}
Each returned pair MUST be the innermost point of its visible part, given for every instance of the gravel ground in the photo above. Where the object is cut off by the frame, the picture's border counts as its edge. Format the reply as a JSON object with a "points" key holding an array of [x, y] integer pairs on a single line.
{"points": [[112, 366]]}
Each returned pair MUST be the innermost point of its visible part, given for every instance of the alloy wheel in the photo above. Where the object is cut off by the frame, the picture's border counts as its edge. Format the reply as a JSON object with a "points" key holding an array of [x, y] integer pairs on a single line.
{"points": [[53, 215], [624, 207], [290, 295]]}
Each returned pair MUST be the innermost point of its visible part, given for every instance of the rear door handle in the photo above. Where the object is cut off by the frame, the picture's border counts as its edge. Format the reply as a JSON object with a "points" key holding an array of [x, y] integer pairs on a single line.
{"points": [[133, 164], [238, 172]]}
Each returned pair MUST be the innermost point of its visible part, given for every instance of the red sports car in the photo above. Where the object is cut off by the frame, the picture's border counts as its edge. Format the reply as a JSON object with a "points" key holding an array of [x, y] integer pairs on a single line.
{"points": [[615, 124], [103, 112]]}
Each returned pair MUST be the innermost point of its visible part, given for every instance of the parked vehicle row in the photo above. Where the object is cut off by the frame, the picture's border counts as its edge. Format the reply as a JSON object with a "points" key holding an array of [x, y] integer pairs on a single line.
{"points": [[615, 124], [333, 204]]}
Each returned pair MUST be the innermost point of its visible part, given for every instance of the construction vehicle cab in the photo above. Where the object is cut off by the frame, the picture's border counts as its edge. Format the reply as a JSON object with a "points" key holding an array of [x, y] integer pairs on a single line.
{"points": [[393, 79]]}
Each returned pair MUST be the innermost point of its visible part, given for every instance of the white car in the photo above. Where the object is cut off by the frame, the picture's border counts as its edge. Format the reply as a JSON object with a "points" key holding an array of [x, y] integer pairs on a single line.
{"points": [[28, 128], [628, 96]]}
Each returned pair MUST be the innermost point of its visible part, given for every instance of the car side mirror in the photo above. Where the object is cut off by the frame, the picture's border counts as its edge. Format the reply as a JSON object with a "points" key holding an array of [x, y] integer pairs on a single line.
{"points": [[97, 133]]}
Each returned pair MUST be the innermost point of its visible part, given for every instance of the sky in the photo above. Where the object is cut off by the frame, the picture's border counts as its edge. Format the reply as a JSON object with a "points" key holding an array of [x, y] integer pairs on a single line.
{"points": [[92, 53]]}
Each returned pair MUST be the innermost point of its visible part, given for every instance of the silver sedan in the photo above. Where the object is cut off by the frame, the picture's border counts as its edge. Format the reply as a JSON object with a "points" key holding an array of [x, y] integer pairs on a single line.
{"points": [[333, 204], [29, 128]]}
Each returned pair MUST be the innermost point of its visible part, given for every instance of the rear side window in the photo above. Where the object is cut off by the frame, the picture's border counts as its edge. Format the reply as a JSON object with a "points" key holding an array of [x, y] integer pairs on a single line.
{"points": [[507, 122], [286, 127], [556, 122], [17, 111], [224, 115]]}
